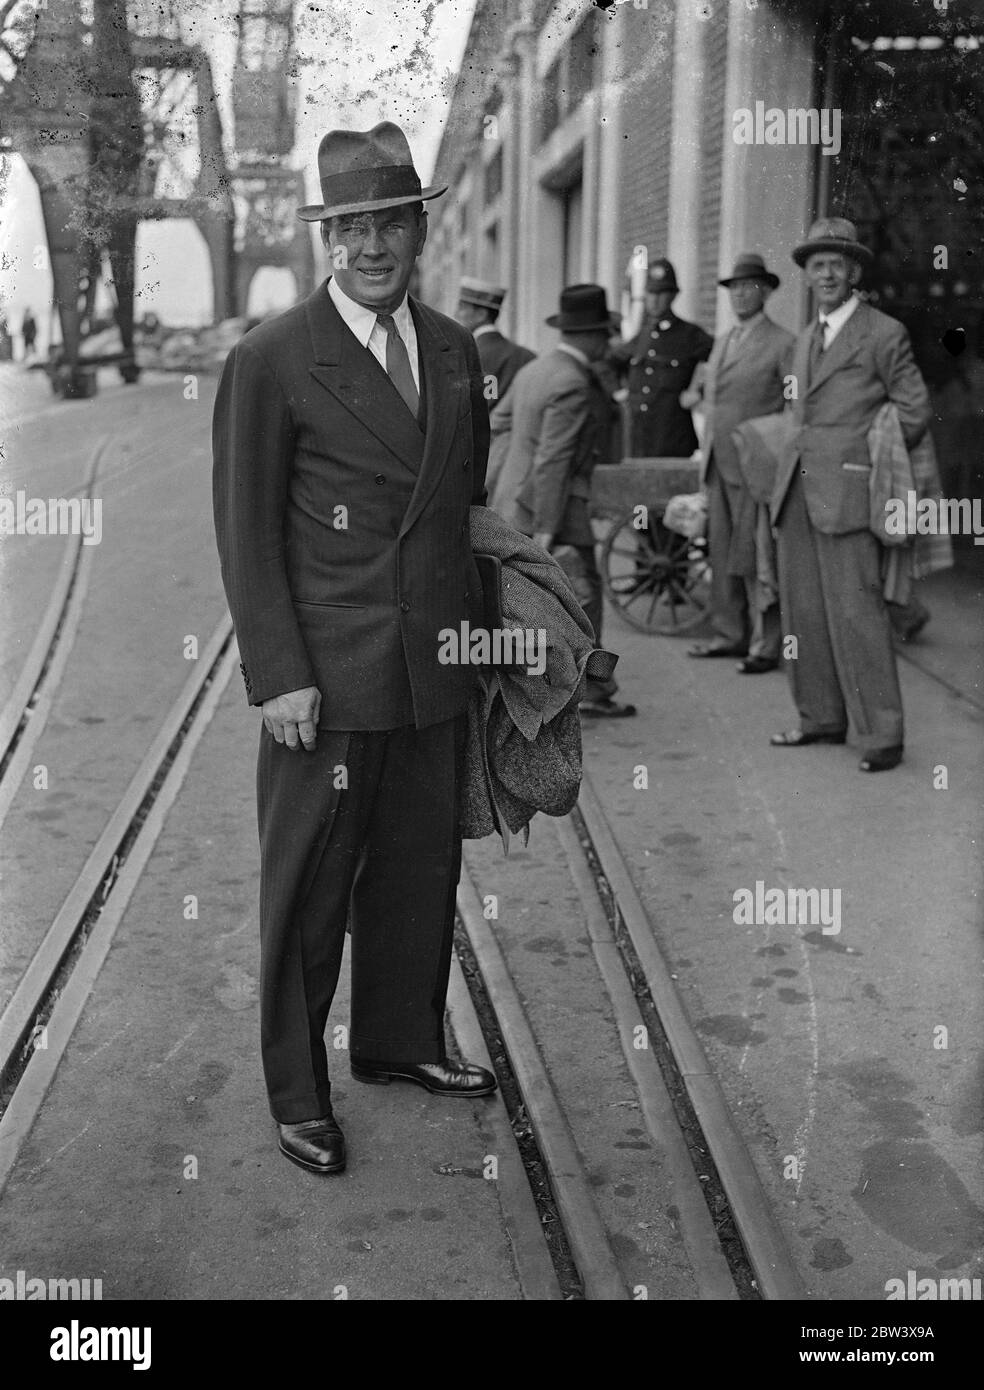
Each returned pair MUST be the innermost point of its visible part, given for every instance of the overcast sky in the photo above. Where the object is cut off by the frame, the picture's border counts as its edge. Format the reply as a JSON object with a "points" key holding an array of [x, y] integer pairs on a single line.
{"points": [[355, 67]]}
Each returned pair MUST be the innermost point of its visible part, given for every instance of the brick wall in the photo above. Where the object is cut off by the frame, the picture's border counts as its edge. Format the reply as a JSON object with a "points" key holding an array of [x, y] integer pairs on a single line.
{"points": [[645, 180]]}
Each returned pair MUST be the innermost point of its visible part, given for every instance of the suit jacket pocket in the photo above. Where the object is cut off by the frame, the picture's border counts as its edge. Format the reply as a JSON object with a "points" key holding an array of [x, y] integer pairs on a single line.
{"points": [[324, 603]]}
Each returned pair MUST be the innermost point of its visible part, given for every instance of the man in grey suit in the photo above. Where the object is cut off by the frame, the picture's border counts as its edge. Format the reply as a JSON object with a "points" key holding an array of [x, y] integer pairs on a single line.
{"points": [[744, 378], [848, 363], [561, 419]]}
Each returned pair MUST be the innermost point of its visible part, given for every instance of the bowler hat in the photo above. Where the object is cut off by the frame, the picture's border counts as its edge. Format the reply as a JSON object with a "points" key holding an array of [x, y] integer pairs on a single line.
{"points": [[480, 292], [366, 171], [750, 266], [833, 234], [662, 276], [583, 309]]}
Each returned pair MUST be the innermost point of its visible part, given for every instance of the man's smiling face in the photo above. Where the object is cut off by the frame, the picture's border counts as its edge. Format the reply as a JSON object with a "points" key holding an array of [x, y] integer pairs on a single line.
{"points": [[380, 249]]}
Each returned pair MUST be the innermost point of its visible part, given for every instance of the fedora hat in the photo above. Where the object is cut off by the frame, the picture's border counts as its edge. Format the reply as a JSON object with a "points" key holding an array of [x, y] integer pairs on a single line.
{"points": [[366, 171], [833, 234], [750, 266], [480, 292], [662, 276], [583, 309]]}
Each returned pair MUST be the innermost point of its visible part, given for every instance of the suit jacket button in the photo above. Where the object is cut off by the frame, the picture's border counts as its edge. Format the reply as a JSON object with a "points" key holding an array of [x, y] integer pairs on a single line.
{"points": [[380, 479], [405, 606], [465, 463]]}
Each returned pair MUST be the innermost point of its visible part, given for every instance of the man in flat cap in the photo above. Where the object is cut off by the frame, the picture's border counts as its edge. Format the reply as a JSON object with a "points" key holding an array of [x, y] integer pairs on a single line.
{"points": [[350, 439], [561, 419], [847, 364], [658, 365], [479, 304], [744, 378]]}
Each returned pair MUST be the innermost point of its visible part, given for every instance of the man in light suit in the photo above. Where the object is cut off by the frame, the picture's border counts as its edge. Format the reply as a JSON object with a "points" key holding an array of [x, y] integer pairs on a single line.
{"points": [[847, 364], [744, 378], [561, 420], [350, 439]]}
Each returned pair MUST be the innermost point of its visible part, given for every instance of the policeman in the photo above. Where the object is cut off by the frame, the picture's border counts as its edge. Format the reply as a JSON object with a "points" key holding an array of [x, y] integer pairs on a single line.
{"points": [[658, 365]]}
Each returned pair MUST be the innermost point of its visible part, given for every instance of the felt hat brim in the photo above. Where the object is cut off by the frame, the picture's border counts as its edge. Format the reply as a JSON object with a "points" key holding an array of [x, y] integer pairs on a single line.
{"points": [[770, 279], [838, 245], [318, 212]]}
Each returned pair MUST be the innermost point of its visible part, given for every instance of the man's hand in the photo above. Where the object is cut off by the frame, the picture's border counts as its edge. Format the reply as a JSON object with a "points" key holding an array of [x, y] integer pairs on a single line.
{"points": [[293, 718], [545, 539]]}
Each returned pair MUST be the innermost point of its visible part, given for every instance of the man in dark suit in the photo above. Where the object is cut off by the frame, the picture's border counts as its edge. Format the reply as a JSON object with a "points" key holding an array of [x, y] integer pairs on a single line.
{"points": [[848, 363], [744, 378], [561, 419], [350, 439], [658, 365], [479, 304]]}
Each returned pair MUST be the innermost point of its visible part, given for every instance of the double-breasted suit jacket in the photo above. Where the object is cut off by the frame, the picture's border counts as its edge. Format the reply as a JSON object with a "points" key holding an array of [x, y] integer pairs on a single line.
{"points": [[342, 526], [869, 362]]}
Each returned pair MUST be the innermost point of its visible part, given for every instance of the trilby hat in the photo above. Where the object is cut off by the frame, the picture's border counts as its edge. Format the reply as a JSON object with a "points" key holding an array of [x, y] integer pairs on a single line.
{"points": [[750, 266], [833, 234], [366, 171], [583, 309]]}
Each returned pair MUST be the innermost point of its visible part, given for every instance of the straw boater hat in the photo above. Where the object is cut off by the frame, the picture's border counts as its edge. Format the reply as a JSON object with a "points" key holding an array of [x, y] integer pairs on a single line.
{"points": [[366, 171], [583, 309], [833, 234], [480, 292], [750, 266]]}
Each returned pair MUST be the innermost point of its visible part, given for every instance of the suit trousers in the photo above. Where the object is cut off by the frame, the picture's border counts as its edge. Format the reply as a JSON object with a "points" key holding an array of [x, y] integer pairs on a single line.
{"points": [[831, 595], [741, 611], [382, 855]]}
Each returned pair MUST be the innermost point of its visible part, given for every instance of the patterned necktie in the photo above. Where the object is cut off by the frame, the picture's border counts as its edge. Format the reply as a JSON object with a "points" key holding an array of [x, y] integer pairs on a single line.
{"points": [[398, 364], [817, 345]]}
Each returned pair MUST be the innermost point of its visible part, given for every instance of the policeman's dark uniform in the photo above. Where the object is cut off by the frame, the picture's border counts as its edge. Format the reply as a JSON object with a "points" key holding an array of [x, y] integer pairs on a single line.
{"points": [[659, 363]]}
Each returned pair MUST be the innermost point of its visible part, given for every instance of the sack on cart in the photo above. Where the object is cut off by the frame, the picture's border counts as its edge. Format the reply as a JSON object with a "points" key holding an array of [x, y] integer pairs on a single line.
{"points": [[687, 514]]}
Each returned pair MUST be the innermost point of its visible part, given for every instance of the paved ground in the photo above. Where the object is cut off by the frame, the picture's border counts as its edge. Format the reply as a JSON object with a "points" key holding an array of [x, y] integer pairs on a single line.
{"points": [[828, 1045]]}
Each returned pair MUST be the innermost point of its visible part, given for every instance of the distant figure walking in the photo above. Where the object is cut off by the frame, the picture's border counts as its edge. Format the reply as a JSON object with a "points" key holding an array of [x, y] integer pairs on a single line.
{"points": [[29, 332]]}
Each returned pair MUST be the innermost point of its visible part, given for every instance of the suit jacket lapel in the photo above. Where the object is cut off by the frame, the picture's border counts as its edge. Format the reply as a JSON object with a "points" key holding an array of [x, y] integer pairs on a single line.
{"points": [[844, 346], [354, 377], [437, 367]]}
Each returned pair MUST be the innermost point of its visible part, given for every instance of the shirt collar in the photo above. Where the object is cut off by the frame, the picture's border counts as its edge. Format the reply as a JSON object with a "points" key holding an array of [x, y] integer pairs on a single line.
{"points": [[484, 328], [362, 320], [574, 352], [839, 316]]}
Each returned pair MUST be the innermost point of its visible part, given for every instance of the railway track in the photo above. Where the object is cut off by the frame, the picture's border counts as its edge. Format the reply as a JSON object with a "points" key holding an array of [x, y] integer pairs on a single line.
{"points": [[734, 1245], [38, 1020]]}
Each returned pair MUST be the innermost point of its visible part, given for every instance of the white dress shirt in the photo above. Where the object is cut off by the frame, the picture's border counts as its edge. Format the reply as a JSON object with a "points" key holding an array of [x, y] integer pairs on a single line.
{"points": [[362, 322], [836, 319]]}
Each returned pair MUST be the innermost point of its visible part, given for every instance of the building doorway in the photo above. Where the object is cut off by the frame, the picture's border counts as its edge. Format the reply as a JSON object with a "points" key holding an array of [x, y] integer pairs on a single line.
{"points": [[910, 174]]}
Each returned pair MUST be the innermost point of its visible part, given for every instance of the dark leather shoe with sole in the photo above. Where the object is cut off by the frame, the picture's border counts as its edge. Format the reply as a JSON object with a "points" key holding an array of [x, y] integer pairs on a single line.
{"points": [[317, 1145], [712, 649], [796, 738], [757, 665], [881, 759], [445, 1078]]}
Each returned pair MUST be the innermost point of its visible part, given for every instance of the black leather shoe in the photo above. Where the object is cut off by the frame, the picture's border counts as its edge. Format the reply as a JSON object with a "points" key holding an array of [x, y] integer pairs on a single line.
{"points": [[445, 1078], [882, 759], [705, 649], [606, 709], [796, 738], [317, 1145], [757, 665]]}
